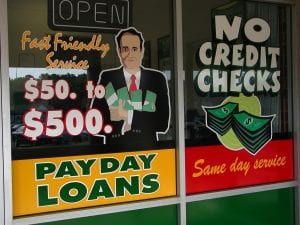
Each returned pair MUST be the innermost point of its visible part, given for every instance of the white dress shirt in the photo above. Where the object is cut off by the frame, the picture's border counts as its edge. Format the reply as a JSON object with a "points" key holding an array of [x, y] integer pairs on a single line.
{"points": [[128, 78], [128, 82]]}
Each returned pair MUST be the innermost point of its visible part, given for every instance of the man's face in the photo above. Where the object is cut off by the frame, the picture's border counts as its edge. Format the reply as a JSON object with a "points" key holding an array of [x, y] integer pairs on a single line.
{"points": [[130, 52]]}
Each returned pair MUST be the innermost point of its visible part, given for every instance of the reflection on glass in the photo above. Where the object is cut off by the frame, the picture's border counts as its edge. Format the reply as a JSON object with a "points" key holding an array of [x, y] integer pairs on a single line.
{"points": [[25, 96], [38, 93]]}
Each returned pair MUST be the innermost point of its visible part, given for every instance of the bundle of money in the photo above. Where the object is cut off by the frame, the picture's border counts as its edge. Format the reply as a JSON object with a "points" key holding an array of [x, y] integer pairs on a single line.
{"points": [[219, 119], [132, 101], [252, 131], [123, 94]]}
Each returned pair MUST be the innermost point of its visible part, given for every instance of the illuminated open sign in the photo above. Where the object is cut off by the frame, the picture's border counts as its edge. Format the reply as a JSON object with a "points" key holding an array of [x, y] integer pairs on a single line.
{"points": [[88, 15]]}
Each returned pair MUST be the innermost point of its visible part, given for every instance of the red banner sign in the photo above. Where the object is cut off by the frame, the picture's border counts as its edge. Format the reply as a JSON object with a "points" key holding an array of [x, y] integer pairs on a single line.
{"points": [[211, 168]]}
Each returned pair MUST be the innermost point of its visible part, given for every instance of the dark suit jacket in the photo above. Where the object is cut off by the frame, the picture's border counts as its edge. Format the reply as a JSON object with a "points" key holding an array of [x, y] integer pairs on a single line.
{"points": [[145, 125]]}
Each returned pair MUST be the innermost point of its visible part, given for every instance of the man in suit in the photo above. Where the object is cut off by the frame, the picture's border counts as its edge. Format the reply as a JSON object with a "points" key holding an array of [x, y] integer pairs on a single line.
{"points": [[140, 122]]}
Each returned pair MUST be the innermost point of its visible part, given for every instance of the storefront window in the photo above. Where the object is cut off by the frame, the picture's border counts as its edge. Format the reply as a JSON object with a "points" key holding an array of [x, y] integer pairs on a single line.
{"points": [[92, 104], [92, 97], [238, 94]]}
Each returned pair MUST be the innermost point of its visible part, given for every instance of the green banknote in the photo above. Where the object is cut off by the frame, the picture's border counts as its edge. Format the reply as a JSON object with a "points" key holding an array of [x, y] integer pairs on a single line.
{"points": [[252, 131], [136, 100], [254, 146], [252, 123], [111, 95], [123, 94], [251, 136], [149, 103], [219, 128], [223, 111], [219, 119]]}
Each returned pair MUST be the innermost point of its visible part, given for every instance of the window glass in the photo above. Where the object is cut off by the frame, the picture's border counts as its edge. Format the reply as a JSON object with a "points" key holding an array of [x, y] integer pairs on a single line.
{"points": [[88, 78], [39, 53], [238, 95]]}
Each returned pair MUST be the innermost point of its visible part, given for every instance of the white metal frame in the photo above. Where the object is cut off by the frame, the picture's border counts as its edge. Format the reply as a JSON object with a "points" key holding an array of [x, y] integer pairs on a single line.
{"points": [[179, 94], [181, 199], [5, 118], [1, 162], [1, 153]]}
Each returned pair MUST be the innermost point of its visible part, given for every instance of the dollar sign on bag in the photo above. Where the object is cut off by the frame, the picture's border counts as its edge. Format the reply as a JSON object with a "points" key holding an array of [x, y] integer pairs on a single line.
{"points": [[33, 125], [32, 92]]}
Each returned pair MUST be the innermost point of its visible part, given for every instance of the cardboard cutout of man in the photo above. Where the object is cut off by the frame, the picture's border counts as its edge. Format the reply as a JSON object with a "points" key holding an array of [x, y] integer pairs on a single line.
{"points": [[137, 102]]}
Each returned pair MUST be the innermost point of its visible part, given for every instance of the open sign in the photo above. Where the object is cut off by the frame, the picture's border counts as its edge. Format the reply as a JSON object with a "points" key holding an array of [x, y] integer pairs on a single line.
{"points": [[88, 15]]}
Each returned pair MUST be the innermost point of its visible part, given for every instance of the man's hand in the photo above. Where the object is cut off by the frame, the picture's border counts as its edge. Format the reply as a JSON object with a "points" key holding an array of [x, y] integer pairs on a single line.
{"points": [[118, 113]]}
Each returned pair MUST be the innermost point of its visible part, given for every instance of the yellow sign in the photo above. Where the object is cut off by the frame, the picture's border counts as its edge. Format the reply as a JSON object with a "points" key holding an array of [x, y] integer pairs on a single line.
{"points": [[53, 184]]}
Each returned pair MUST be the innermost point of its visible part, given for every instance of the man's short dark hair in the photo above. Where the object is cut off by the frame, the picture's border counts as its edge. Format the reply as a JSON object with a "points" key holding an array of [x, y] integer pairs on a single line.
{"points": [[132, 31]]}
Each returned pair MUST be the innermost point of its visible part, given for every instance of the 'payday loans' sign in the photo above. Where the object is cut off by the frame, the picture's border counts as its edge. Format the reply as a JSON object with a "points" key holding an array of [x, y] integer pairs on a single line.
{"points": [[238, 63], [60, 183]]}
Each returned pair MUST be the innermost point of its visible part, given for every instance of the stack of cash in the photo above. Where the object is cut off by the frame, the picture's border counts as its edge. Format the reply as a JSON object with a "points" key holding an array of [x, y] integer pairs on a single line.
{"points": [[124, 96], [219, 118], [252, 131], [132, 101]]}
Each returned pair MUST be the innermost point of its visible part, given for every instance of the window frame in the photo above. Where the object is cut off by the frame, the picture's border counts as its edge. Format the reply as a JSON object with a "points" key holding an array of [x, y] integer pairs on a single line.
{"points": [[181, 199]]}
